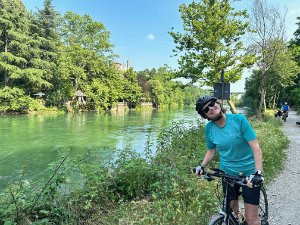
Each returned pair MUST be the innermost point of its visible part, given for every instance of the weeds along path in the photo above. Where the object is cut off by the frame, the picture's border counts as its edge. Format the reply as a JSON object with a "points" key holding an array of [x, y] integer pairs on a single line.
{"points": [[284, 191]]}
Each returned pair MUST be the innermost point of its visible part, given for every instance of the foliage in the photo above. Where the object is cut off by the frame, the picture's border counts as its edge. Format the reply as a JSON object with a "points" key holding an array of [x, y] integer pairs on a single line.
{"points": [[211, 42], [279, 77], [295, 97], [13, 100], [58, 55], [294, 47], [83, 31], [266, 42], [132, 91], [164, 90]]}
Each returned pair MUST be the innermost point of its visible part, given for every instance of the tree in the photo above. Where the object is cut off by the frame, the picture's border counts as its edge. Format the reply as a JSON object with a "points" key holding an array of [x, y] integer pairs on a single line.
{"points": [[14, 30], [18, 76], [132, 92], [285, 71], [250, 98], [278, 78], [211, 42], [83, 31], [294, 47], [44, 24], [268, 24], [295, 43], [87, 59]]}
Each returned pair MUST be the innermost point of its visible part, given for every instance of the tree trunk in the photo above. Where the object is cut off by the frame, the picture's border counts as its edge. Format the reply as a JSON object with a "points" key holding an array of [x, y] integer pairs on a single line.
{"points": [[262, 94]]}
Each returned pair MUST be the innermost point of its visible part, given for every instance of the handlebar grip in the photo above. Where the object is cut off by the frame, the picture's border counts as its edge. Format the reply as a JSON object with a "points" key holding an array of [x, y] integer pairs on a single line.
{"points": [[194, 170]]}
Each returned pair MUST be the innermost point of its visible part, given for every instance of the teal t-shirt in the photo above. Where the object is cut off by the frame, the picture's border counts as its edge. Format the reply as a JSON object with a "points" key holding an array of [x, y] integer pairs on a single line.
{"points": [[231, 143]]}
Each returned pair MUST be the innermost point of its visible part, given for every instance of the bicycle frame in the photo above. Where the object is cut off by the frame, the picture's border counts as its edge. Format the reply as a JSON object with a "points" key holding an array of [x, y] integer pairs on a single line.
{"points": [[226, 210]]}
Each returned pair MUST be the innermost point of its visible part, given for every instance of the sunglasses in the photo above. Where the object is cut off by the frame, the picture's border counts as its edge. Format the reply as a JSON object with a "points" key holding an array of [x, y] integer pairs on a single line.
{"points": [[211, 104]]}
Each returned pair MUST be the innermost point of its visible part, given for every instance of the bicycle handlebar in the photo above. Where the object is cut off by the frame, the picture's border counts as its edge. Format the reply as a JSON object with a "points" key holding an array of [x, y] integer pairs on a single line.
{"points": [[209, 176]]}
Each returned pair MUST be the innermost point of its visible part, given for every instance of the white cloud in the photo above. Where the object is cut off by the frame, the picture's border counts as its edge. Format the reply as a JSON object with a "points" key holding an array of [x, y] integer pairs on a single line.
{"points": [[150, 37]]}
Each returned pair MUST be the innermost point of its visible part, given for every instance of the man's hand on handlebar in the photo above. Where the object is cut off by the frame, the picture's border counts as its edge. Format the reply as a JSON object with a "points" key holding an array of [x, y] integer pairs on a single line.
{"points": [[198, 170], [255, 179]]}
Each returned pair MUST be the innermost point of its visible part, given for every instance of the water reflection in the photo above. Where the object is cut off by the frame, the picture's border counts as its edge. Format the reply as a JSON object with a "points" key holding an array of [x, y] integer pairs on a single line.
{"points": [[36, 141]]}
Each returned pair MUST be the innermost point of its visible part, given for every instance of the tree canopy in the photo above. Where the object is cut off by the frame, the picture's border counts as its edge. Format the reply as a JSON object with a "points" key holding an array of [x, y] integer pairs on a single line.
{"points": [[212, 41]]}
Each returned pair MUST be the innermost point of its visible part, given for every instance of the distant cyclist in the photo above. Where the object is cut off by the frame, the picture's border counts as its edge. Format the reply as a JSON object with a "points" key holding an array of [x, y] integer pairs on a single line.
{"points": [[285, 108], [232, 136]]}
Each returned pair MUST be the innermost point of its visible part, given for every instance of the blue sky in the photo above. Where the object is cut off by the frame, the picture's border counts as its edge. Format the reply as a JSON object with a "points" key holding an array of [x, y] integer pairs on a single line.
{"points": [[139, 28]]}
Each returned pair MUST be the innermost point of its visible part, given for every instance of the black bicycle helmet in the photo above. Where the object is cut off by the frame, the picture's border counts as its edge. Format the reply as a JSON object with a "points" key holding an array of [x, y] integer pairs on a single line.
{"points": [[202, 101]]}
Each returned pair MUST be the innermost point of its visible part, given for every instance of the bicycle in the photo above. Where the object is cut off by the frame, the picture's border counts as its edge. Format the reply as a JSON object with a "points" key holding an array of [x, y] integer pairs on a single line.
{"points": [[226, 215], [284, 116]]}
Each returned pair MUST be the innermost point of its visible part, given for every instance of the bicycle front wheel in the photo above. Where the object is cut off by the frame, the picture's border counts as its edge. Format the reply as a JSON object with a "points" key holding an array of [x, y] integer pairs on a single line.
{"points": [[219, 220], [263, 208]]}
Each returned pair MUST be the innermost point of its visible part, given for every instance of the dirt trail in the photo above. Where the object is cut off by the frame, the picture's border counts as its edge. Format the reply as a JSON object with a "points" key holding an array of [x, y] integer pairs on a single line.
{"points": [[284, 191]]}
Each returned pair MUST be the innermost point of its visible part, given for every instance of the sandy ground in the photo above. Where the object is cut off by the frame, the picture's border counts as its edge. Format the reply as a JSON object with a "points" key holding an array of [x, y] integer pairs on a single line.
{"points": [[284, 191]]}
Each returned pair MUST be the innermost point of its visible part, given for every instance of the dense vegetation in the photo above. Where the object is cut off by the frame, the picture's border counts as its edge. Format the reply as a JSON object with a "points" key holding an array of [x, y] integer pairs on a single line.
{"points": [[66, 61], [281, 79], [49, 60], [151, 188]]}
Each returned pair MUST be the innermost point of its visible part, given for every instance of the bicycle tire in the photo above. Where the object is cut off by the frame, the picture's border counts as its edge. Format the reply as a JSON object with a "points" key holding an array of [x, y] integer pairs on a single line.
{"points": [[219, 220], [263, 209], [284, 116]]}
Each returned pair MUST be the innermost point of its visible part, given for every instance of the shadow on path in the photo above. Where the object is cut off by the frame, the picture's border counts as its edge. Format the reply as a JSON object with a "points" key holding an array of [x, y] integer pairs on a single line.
{"points": [[284, 191]]}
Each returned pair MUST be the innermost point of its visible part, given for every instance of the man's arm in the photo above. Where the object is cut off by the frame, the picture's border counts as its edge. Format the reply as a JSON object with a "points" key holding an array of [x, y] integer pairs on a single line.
{"points": [[209, 156], [257, 153]]}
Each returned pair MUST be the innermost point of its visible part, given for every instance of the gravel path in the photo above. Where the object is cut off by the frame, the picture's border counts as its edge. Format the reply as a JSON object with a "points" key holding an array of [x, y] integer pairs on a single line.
{"points": [[284, 191]]}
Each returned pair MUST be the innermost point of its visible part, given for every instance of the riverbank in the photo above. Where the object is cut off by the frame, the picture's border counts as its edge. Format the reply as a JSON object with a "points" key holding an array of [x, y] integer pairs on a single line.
{"points": [[284, 190]]}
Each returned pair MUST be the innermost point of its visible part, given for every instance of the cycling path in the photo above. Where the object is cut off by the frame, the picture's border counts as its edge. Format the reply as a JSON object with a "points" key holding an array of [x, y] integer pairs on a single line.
{"points": [[284, 191]]}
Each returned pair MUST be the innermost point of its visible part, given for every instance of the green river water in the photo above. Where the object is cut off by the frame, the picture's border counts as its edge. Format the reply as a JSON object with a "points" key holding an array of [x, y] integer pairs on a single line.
{"points": [[32, 142]]}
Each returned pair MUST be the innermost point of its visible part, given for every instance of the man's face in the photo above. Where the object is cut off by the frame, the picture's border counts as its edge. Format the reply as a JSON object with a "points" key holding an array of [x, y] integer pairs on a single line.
{"points": [[211, 109]]}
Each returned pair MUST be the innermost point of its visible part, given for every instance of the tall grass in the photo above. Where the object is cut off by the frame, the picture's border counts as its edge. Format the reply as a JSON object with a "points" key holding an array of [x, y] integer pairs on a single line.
{"points": [[132, 188]]}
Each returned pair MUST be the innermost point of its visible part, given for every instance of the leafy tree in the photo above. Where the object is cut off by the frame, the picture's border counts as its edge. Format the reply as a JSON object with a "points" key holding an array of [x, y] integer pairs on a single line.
{"points": [[83, 31], [132, 92], [143, 77], [294, 47], [250, 98], [44, 30], [87, 59], [211, 41], [14, 30], [285, 71], [20, 69], [14, 99], [163, 90], [295, 43], [278, 78], [268, 24]]}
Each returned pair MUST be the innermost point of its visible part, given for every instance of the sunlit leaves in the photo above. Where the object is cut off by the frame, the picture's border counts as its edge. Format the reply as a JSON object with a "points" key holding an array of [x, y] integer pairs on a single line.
{"points": [[211, 41]]}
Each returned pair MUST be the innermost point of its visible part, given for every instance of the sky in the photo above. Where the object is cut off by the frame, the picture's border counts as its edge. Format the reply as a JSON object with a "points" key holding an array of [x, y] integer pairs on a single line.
{"points": [[139, 28]]}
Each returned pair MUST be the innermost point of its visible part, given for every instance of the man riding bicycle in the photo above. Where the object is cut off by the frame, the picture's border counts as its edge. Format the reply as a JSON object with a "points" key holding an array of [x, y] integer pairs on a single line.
{"points": [[233, 138], [285, 108]]}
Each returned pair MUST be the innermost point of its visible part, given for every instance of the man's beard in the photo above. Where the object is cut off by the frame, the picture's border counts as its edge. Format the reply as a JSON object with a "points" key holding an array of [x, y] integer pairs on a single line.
{"points": [[217, 117]]}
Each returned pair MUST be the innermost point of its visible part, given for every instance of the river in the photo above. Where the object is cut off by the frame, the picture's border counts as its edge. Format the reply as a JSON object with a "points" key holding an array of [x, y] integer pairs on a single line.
{"points": [[31, 143]]}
